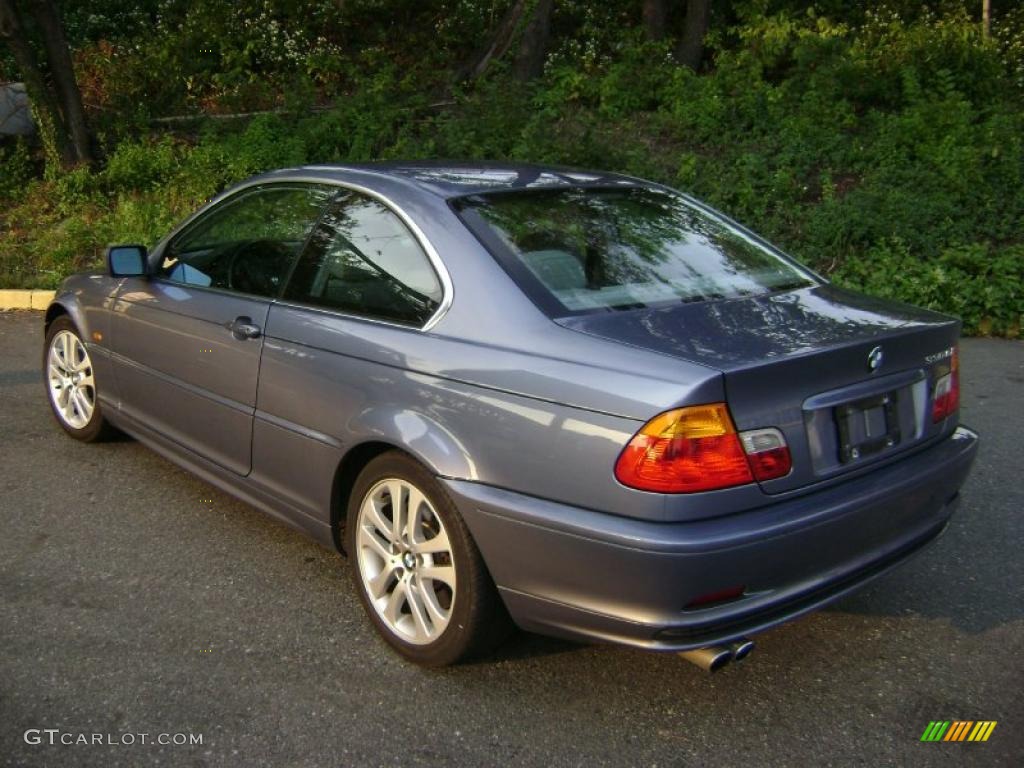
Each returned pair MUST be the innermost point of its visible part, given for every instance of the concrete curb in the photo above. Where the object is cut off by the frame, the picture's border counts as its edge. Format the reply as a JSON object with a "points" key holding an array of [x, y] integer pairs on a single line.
{"points": [[25, 299]]}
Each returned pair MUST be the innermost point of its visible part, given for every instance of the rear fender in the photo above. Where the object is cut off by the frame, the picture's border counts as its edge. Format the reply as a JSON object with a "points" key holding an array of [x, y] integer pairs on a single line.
{"points": [[428, 441]]}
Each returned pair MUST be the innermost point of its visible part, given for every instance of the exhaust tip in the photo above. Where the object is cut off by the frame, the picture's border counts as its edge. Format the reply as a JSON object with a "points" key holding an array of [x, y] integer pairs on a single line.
{"points": [[741, 649], [719, 661], [710, 659]]}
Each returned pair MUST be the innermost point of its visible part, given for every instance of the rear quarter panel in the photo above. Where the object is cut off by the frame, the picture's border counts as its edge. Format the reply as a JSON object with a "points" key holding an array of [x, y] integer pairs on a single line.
{"points": [[474, 412]]}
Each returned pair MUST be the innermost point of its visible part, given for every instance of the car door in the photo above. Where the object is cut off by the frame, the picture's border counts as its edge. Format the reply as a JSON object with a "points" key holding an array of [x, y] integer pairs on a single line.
{"points": [[360, 293], [187, 340]]}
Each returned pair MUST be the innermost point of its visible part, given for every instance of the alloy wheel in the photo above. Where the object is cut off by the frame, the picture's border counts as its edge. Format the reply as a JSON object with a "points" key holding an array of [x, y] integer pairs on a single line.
{"points": [[405, 561], [70, 377]]}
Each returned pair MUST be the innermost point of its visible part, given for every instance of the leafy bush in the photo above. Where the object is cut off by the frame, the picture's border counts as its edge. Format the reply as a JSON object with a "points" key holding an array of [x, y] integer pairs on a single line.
{"points": [[881, 144], [141, 164], [985, 289], [18, 168]]}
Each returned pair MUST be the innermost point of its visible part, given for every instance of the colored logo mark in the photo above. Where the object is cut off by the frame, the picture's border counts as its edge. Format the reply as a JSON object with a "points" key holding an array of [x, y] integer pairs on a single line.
{"points": [[958, 730]]}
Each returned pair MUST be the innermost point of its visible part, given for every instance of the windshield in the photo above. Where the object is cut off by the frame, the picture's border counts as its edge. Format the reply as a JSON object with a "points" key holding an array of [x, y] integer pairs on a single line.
{"points": [[600, 249]]}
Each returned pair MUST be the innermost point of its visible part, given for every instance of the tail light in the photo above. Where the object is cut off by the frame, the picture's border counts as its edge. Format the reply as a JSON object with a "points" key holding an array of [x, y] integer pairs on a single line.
{"points": [[767, 453], [684, 451], [946, 401], [698, 449], [721, 596]]}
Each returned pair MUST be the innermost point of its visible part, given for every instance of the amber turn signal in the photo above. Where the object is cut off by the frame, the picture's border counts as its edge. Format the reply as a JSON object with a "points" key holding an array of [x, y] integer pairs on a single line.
{"points": [[684, 451]]}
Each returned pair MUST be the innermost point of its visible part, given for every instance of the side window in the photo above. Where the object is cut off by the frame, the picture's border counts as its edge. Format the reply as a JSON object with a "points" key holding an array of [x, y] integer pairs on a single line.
{"points": [[363, 260], [249, 241]]}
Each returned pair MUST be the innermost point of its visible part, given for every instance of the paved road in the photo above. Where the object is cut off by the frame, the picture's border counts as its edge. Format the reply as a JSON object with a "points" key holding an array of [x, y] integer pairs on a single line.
{"points": [[137, 599]]}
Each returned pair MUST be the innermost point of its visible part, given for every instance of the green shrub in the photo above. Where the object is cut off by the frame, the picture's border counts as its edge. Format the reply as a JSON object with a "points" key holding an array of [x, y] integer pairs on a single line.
{"points": [[983, 288], [17, 168], [141, 165], [881, 144]]}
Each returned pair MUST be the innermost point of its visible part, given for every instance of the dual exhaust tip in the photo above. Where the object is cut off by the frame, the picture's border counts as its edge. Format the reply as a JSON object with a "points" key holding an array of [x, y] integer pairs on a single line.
{"points": [[714, 657]]}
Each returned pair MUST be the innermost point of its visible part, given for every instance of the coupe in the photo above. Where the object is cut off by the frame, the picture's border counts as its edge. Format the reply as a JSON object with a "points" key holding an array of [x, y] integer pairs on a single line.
{"points": [[577, 402]]}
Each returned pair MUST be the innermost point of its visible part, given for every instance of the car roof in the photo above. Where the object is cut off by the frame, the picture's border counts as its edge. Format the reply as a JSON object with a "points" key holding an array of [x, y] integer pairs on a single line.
{"points": [[455, 179]]}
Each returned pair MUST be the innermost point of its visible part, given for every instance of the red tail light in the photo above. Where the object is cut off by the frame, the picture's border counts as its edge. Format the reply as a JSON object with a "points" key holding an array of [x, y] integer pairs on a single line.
{"points": [[946, 401], [684, 451], [721, 596], [767, 453]]}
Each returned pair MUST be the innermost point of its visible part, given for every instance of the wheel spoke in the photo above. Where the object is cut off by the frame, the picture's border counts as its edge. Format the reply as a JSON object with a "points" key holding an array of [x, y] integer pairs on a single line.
{"points": [[377, 586], [398, 509], [75, 362], [393, 609], [436, 545], [371, 508], [68, 408], [438, 615], [82, 405], [442, 573], [65, 342], [412, 595], [414, 521], [56, 364], [84, 401], [369, 540]]}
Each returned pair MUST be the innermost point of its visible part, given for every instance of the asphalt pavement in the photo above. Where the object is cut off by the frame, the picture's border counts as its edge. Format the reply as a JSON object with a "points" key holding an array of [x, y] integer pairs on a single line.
{"points": [[136, 599]]}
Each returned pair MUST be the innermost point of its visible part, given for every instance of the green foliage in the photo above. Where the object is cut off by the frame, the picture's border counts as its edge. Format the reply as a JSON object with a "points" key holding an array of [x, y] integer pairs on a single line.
{"points": [[882, 145], [18, 169], [141, 164], [985, 289]]}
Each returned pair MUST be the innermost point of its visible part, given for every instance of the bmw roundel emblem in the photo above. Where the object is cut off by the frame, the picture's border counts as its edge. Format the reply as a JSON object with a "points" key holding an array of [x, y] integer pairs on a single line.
{"points": [[875, 359]]}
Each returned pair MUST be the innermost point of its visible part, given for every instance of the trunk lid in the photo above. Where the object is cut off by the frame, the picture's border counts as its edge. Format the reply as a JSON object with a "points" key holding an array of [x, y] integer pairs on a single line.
{"points": [[801, 361]]}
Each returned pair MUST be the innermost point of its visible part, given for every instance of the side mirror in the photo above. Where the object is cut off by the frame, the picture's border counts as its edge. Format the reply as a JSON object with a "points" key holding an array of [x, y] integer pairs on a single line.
{"points": [[127, 260]]}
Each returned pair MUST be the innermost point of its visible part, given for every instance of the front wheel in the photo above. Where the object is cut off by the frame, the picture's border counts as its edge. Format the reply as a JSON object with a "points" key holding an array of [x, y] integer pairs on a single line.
{"points": [[418, 572], [71, 383]]}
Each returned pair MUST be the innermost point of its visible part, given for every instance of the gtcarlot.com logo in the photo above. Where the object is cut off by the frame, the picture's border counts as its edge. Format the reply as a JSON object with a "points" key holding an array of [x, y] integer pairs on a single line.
{"points": [[53, 736], [958, 730]]}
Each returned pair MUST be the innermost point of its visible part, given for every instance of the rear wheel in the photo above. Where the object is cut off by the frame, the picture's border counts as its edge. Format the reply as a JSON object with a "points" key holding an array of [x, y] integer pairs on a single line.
{"points": [[71, 383], [418, 572]]}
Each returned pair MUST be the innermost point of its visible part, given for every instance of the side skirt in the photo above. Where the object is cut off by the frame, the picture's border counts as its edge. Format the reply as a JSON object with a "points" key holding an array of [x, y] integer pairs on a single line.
{"points": [[239, 487]]}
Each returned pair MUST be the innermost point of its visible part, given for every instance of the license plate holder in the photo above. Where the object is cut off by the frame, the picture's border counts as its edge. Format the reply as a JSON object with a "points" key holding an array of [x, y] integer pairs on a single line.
{"points": [[868, 426]]}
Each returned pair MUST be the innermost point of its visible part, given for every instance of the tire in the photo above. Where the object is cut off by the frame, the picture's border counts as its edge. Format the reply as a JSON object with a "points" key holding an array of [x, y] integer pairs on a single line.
{"points": [[437, 619], [70, 381]]}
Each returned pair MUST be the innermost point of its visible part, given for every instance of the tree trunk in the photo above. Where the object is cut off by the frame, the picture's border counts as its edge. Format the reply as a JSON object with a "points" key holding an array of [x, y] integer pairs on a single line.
{"points": [[496, 46], [654, 16], [49, 121], [533, 49], [690, 50], [986, 17], [63, 73]]}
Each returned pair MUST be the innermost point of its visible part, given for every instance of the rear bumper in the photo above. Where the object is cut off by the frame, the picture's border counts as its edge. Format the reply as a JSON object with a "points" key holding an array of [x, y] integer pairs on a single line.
{"points": [[580, 574]]}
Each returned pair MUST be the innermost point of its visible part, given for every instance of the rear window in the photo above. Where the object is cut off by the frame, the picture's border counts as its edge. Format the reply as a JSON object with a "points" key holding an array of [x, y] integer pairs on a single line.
{"points": [[582, 250]]}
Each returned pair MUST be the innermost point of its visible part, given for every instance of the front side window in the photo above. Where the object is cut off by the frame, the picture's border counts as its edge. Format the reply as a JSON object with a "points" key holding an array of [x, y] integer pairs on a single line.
{"points": [[582, 250], [363, 260], [248, 242]]}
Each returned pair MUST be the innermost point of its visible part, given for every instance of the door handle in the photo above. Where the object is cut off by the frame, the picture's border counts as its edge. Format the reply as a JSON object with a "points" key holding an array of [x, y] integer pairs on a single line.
{"points": [[243, 328]]}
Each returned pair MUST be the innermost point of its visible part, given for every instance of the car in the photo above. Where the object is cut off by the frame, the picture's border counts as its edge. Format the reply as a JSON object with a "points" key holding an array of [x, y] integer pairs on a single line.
{"points": [[575, 402]]}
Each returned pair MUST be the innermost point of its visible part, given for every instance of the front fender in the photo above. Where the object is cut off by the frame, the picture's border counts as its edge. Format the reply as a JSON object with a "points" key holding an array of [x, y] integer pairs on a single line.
{"points": [[87, 299], [66, 303]]}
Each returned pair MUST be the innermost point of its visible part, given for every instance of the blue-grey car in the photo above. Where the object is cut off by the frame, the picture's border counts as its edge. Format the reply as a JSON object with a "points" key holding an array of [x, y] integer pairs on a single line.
{"points": [[576, 402]]}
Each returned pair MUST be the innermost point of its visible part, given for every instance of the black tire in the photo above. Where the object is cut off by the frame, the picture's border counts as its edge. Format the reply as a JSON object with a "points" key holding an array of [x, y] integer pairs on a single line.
{"points": [[479, 621], [96, 428]]}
